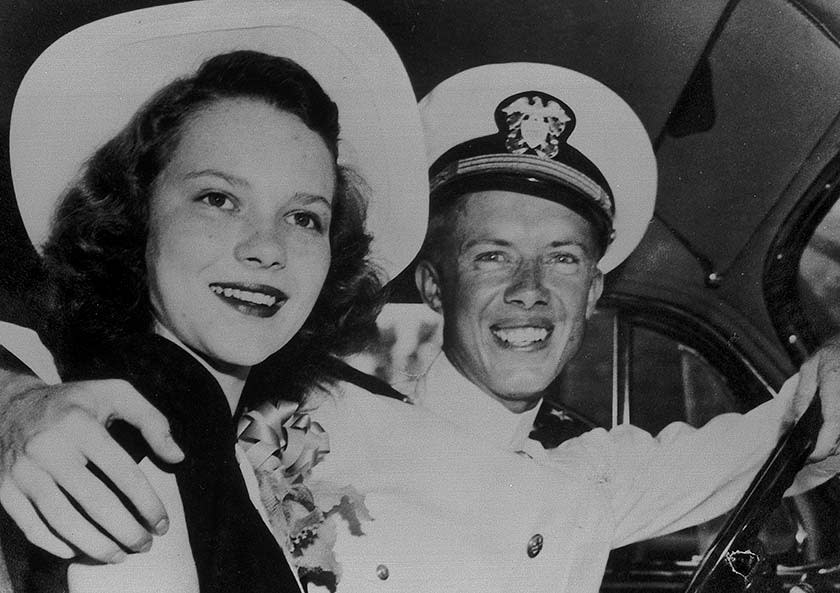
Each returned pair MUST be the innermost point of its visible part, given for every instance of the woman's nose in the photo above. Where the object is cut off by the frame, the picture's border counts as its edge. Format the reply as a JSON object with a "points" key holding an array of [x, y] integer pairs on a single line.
{"points": [[526, 288], [262, 248]]}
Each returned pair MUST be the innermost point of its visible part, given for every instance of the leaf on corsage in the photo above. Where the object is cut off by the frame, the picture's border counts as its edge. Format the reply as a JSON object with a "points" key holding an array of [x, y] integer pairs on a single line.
{"points": [[316, 560], [274, 488], [345, 501]]}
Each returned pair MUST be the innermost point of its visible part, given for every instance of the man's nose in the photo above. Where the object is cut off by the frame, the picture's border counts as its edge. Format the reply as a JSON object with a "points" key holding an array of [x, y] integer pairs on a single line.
{"points": [[527, 289], [262, 247]]}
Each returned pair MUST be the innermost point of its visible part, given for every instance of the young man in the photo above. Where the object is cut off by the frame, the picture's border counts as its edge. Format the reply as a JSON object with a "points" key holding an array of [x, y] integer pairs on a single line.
{"points": [[541, 180]]}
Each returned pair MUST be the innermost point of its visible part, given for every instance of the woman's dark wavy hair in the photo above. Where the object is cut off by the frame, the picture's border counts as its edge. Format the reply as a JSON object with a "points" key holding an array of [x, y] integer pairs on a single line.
{"points": [[96, 252]]}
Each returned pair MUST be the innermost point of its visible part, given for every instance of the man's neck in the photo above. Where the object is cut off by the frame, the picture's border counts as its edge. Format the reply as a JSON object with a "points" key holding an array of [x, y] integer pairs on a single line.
{"points": [[515, 403]]}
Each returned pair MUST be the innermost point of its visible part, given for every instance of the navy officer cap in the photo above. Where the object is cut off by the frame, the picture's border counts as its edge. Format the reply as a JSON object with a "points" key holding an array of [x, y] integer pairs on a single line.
{"points": [[546, 131]]}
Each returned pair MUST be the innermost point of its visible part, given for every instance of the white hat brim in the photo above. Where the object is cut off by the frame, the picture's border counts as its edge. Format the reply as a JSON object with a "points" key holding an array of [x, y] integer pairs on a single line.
{"points": [[608, 132], [86, 86]]}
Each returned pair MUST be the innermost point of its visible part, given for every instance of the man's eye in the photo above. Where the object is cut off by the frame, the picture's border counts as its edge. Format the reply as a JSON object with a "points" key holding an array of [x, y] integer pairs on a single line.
{"points": [[492, 260], [218, 200], [306, 220], [563, 258], [491, 256]]}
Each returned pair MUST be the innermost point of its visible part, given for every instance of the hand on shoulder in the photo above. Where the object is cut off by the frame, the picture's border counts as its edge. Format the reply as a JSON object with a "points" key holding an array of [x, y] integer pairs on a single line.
{"points": [[50, 437]]}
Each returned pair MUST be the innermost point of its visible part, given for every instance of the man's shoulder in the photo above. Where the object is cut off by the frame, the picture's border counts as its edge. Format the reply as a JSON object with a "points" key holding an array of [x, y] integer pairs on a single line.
{"points": [[352, 397], [352, 377], [556, 423]]}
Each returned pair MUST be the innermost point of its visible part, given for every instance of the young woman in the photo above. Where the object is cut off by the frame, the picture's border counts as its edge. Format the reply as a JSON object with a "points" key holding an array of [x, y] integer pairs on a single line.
{"points": [[215, 229]]}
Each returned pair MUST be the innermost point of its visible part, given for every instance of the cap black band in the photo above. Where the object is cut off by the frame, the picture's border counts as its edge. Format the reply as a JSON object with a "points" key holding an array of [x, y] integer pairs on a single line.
{"points": [[545, 188]]}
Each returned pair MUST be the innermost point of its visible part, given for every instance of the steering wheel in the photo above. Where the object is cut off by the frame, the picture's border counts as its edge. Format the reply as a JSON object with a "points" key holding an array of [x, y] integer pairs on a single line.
{"points": [[735, 560]]}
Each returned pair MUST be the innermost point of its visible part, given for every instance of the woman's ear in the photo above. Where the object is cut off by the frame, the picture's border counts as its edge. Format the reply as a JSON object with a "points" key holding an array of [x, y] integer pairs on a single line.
{"points": [[427, 281]]}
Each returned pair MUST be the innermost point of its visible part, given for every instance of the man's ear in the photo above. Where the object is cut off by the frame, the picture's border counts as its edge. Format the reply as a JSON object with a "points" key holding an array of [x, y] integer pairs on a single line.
{"points": [[596, 286], [427, 281]]}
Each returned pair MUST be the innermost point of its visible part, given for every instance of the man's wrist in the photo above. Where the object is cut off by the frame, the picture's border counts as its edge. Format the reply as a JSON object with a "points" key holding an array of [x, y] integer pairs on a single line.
{"points": [[15, 377]]}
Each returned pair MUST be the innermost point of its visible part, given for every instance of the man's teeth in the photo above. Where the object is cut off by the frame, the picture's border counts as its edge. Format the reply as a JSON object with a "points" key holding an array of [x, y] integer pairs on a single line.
{"points": [[521, 336], [257, 298]]}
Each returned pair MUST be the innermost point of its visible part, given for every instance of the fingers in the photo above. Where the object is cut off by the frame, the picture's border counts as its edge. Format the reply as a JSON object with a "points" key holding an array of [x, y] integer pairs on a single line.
{"points": [[127, 478], [829, 436], [822, 371], [122, 401], [61, 516], [828, 442], [807, 386], [51, 485], [23, 514], [68, 468]]}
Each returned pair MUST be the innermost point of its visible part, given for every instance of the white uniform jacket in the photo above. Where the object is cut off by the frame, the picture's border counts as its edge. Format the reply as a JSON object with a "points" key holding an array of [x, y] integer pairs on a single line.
{"points": [[452, 512]]}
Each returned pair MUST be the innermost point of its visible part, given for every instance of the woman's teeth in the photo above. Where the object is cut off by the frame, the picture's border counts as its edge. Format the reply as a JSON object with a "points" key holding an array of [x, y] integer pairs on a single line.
{"points": [[248, 296], [521, 336]]}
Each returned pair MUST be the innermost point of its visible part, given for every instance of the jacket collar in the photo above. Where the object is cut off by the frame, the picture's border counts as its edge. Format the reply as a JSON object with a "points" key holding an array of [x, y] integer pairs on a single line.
{"points": [[449, 395]]}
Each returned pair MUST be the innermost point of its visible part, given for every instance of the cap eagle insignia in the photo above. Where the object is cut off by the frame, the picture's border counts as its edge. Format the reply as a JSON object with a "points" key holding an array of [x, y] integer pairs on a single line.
{"points": [[534, 123]]}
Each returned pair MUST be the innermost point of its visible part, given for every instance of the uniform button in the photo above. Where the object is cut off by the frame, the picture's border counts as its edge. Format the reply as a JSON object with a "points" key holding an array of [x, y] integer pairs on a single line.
{"points": [[535, 545], [382, 572]]}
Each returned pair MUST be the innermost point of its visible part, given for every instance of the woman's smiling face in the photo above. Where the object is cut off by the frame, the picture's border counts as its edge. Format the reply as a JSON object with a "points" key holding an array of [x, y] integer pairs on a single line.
{"points": [[238, 245]]}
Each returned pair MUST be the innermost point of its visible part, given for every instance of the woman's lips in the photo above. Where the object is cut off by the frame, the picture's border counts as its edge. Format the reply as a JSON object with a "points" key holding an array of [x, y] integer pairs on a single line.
{"points": [[259, 300]]}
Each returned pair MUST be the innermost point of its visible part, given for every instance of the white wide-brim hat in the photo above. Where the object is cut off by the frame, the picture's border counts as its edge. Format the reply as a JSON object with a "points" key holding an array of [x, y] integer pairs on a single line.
{"points": [[539, 128], [86, 86]]}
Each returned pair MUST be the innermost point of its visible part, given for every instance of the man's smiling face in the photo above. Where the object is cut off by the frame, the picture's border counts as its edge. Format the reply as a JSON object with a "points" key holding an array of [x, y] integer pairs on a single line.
{"points": [[515, 282]]}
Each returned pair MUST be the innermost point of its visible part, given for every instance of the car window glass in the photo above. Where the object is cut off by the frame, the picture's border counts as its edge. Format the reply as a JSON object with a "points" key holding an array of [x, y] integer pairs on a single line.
{"points": [[669, 381]]}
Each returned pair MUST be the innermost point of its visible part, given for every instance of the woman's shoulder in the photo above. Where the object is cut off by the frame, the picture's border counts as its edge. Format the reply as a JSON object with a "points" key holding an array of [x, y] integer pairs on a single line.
{"points": [[169, 378]]}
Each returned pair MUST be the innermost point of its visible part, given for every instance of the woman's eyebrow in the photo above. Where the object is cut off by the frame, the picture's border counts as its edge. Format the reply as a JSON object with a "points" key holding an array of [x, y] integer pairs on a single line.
{"points": [[309, 199], [236, 181], [231, 179]]}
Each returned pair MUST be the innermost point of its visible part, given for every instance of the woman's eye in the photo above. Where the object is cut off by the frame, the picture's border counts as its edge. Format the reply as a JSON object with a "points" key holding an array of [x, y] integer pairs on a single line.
{"points": [[218, 200], [306, 220]]}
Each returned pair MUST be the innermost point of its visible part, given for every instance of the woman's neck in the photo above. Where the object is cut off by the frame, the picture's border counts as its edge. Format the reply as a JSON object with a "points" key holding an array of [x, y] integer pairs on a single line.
{"points": [[231, 379]]}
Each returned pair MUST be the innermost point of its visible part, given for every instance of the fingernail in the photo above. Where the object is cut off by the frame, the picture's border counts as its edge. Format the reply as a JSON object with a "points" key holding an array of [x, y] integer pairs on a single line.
{"points": [[118, 557], [147, 545], [173, 447], [162, 526]]}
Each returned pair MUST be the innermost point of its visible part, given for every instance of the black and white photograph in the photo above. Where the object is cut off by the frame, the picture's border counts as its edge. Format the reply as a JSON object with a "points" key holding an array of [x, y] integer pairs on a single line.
{"points": [[413, 296]]}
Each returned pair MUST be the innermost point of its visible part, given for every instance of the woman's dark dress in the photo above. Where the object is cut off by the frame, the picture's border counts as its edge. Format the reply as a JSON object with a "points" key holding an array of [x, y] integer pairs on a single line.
{"points": [[233, 549]]}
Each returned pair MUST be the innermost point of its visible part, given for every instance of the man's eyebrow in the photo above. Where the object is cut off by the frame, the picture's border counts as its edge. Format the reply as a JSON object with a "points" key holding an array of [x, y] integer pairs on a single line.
{"points": [[569, 243], [481, 241], [504, 243], [582, 245]]}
